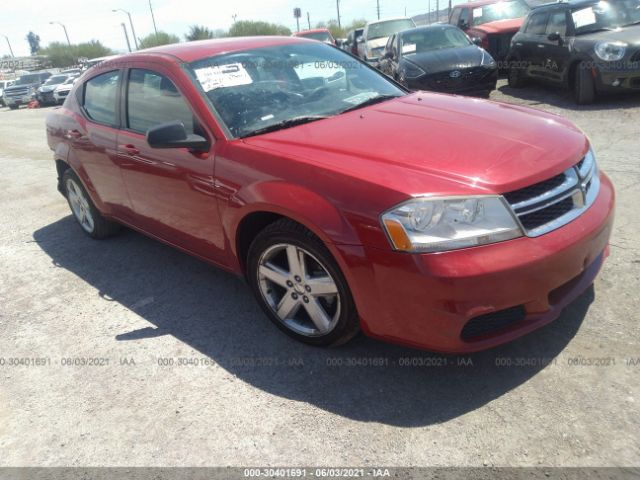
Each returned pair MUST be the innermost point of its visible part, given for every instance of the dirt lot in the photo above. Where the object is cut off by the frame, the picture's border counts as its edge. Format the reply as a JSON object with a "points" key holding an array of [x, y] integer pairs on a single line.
{"points": [[187, 371]]}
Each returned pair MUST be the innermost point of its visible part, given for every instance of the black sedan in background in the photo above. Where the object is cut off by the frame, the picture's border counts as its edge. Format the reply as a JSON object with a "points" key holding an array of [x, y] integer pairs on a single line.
{"points": [[589, 46], [439, 58]]}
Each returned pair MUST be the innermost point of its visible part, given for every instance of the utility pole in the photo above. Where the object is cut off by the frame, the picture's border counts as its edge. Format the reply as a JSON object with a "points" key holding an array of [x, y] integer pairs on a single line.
{"points": [[65, 31], [309, 20], [9, 43], [449, 12], [153, 18], [338, 7], [429, 10], [126, 36], [133, 32], [437, 11], [378, 8]]}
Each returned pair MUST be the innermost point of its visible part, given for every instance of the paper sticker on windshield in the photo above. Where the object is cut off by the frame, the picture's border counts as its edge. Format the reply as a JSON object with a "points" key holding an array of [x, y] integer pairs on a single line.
{"points": [[584, 17], [222, 76], [477, 12], [409, 48]]}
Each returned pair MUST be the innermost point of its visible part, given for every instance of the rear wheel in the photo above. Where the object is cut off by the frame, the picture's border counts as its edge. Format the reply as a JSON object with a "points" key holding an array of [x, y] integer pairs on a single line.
{"points": [[83, 209], [584, 89], [300, 286], [516, 75]]}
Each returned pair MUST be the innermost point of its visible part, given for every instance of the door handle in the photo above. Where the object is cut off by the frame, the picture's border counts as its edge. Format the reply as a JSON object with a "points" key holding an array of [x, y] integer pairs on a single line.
{"points": [[130, 150], [72, 134]]}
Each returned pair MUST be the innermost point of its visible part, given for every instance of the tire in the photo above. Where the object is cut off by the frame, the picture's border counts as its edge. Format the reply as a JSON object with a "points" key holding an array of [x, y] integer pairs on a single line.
{"points": [[516, 75], [584, 88], [83, 209], [315, 303]]}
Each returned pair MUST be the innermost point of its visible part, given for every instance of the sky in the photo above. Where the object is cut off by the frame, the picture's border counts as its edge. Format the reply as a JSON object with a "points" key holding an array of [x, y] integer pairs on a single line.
{"points": [[86, 20]]}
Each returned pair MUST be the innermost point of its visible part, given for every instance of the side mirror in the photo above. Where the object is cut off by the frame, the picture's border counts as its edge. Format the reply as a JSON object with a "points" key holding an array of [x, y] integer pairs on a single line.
{"points": [[477, 41], [174, 135], [554, 37], [388, 55], [462, 25], [360, 40]]}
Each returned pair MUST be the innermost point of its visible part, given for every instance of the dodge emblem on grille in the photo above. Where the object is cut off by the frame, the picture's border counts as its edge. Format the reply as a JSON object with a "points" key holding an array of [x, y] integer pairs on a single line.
{"points": [[455, 74]]}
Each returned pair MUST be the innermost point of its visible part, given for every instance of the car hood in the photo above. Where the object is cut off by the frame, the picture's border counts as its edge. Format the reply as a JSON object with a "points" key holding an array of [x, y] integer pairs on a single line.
{"points": [[62, 88], [448, 59], [436, 143], [21, 87], [500, 26], [630, 35], [47, 88]]}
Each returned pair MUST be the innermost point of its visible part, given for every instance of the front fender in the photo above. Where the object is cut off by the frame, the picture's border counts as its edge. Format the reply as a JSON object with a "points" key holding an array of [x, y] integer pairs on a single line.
{"points": [[293, 201]]}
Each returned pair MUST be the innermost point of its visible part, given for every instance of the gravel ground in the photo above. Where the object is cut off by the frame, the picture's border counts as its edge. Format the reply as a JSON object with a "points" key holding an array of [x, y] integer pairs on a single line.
{"points": [[189, 372]]}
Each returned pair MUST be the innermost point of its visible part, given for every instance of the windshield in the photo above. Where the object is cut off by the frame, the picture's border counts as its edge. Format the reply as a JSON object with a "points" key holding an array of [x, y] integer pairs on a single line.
{"points": [[433, 38], [499, 11], [56, 80], [257, 89], [606, 16], [386, 29], [321, 36], [28, 80]]}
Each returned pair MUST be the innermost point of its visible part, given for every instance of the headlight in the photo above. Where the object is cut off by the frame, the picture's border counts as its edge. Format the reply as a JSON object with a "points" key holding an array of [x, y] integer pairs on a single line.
{"points": [[611, 51], [411, 70], [487, 60], [439, 224]]}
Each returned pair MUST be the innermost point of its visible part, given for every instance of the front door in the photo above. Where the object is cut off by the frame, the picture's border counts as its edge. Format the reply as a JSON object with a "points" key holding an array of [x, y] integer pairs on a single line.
{"points": [[171, 190]]}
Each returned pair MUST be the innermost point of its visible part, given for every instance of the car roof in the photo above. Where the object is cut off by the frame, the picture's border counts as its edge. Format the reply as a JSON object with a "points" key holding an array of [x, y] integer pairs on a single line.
{"points": [[388, 20], [570, 3], [192, 51], [313, 30], [427, 27], [479, 3]]}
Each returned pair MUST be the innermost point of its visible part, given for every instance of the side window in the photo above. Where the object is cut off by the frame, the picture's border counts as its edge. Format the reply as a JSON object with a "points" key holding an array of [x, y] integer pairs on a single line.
{"points": [[557, 23], [455, 16], [390, 42], [100, 98], [465, 18], [153, 99], [537, 23]]}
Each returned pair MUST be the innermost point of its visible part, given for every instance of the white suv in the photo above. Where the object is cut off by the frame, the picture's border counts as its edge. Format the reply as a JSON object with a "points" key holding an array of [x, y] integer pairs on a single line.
{"points": [[376, 34]]}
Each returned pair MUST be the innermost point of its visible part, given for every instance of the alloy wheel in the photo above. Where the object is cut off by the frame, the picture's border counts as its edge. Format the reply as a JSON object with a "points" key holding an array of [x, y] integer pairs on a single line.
{"points": [[80, 205], [299, 290]]}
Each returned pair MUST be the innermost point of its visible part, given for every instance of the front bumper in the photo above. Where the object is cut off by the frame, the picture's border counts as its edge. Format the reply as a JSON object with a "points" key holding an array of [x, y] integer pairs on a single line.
{"points": [[613, 78], [425, 301]]}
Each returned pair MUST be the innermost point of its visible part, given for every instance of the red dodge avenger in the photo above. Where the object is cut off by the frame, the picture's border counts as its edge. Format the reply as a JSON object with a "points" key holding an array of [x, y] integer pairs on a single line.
{"points": [[435, 221]]}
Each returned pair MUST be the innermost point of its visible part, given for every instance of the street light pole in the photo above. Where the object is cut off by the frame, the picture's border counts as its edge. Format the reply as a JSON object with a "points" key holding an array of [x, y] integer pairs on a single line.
{"points": [[126, 35], [133, 31], [9, 43], [155, 29], [338, 7], [65, 30]]}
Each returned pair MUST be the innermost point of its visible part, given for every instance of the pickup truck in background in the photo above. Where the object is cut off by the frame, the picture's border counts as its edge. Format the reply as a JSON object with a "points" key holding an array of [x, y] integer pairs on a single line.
{"points": [[21, 92]]}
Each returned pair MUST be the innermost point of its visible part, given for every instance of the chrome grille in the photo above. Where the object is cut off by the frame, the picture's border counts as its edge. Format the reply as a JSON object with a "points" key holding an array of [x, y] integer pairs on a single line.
{"points": [[550, 204], [17, 92]]}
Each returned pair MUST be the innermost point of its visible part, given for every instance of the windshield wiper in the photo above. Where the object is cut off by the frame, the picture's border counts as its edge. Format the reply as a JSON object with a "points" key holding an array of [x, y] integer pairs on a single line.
{"points": [[371, 101], [292, 122]]}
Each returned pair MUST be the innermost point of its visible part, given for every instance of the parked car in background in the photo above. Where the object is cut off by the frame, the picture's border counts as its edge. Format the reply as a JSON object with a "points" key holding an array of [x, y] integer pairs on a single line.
{"points": [[589, 46], [62, 91], [44, 94], [352, 40], [376, 35], [494, 22], [320, 34], [22, 91], [435, 221], [4, 84], [439, 58]]}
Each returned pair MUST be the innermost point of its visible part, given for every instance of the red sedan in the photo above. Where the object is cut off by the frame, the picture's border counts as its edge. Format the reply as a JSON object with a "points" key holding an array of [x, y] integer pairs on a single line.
{"points": [[348, 203]]}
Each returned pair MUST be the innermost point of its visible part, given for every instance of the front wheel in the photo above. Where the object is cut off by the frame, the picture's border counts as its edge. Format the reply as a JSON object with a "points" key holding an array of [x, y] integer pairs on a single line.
{"points": [[299, 285], [584, 89], [516, 75]]}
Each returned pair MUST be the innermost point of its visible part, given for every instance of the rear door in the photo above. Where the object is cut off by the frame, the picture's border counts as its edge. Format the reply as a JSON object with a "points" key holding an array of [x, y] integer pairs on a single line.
{"points": [[92, 137], [534, 43], [171, 190]]}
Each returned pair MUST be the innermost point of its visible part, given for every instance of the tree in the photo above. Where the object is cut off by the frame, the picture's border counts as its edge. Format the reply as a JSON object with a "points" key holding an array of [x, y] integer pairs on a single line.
{"points": [[34, 42], [247, 28], [157, 39], [62, 55], [199, 32]]}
